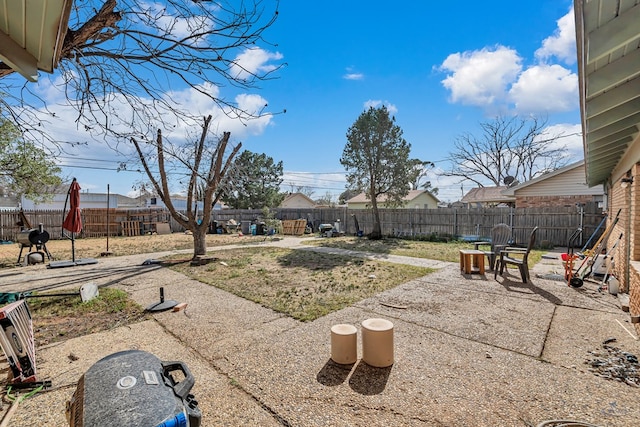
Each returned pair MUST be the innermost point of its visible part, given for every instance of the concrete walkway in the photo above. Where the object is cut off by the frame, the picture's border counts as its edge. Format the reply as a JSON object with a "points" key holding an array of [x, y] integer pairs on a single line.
{"points": [[469, 350]]}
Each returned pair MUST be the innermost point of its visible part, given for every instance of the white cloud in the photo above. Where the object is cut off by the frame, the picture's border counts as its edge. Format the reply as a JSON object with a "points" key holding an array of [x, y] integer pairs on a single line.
{"points": [[375, 103], [353, 76], [562, 44], [481, 77], [195, 100], [225, 120], [253, 61], [494, 78], [90, 143], [545, 88], [450, 189], [176, 26], [568, 136], [51, 88]]}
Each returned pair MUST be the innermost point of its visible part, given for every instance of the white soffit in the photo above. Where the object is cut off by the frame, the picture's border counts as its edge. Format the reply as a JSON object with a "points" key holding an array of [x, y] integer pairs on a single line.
{"points": [[32, 33], [608, 42]]}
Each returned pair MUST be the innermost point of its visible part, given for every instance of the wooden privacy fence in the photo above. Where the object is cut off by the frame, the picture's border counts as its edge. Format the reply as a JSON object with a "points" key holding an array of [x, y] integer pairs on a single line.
{"points": [[95, 222], [555, 224]]}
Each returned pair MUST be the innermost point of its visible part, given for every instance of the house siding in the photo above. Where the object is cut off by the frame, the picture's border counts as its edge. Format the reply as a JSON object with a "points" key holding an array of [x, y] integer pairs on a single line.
{"points": [[297, 201], [424, 200], [564, 189], [87, 200], [570, 182]]}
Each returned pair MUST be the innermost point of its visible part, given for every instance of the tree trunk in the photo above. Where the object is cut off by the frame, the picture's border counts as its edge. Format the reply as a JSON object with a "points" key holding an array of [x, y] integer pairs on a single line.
{"points": [[376, 234], [199, 241]]}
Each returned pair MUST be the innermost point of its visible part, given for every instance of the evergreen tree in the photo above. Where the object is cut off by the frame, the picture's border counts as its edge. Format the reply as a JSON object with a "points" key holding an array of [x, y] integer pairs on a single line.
{"points": [[254, 182], [376, 158]]}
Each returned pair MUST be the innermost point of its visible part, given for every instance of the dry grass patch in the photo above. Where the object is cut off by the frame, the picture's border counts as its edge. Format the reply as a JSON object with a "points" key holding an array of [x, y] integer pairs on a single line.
{"points": [[303, 284], [120, 246], [60, 318], [414, 248]]}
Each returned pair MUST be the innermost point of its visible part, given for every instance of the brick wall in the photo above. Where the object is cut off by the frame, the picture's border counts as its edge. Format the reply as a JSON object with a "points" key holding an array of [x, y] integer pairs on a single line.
{"points": [[627, 253], [547, 201]]}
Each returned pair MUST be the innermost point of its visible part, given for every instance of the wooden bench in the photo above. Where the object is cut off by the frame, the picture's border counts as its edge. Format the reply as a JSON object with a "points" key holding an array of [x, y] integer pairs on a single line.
{"points": [[471, 261]]}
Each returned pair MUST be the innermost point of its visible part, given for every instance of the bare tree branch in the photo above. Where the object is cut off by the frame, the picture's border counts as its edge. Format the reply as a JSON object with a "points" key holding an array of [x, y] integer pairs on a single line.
{"points": [[506, 147], [122, 59], [206, 169]]}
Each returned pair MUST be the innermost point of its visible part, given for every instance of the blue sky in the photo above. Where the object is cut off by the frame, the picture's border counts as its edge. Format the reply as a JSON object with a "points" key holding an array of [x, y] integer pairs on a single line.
{"points": [[440, 67]]}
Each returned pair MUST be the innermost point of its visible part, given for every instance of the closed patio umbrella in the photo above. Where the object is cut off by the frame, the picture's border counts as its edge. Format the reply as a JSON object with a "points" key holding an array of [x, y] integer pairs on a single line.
{"points": [[73, 220]]}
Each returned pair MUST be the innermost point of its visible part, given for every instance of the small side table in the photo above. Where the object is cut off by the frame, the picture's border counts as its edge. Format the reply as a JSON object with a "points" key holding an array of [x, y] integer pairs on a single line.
{"points": [[471, 261]]}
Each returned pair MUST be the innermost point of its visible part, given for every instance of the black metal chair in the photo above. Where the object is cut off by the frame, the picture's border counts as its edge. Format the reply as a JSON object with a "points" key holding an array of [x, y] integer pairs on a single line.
{"points": [[500, 236], [518, 257]]}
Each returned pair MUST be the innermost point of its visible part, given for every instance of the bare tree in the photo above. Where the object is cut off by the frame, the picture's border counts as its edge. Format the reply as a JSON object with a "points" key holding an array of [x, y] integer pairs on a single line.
{"points": [[205, 166], [326, 199], [511, 146], [303, 189], [122, 61], [422, 169]]}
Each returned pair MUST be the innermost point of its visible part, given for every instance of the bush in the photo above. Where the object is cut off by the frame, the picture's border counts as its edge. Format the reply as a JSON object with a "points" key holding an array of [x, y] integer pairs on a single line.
{"points": [[430, 237]]}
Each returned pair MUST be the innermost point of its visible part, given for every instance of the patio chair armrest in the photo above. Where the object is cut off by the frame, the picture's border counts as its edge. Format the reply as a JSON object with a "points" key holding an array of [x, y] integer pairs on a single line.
{"points": [[509, 250], [476, 245]]}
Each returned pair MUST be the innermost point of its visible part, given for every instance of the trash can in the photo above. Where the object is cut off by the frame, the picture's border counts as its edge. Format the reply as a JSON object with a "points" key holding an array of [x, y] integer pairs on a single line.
{"points": [[244, 226]]}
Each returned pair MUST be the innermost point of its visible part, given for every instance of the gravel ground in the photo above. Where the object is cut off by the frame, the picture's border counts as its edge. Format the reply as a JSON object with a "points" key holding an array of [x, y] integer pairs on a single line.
{"points": [[469, 351]]}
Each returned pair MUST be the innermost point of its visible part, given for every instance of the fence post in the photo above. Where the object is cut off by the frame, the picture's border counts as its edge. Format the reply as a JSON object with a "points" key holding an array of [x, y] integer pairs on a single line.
{"points": [[455, 222]]}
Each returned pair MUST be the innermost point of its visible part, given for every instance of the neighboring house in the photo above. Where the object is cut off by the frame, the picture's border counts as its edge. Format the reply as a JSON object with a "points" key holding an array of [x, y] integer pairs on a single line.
{"points": [[297, 201], [416, 199], [608, 41], [87, 201], [483, 197], [9, 202], [178, 202], [565, 186]]}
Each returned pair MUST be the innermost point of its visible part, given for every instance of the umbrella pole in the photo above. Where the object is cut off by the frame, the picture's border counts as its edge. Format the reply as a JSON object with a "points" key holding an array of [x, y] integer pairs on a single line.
{"points": [[108, 217], [73, 247]]}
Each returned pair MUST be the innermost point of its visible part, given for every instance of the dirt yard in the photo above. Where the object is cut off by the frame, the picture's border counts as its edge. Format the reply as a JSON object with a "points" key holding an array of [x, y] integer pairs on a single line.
{"points": [[304, 285], [61, 318], [118, 246]]}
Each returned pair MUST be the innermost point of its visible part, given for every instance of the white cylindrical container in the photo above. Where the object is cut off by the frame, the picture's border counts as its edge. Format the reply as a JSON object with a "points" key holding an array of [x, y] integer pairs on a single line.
{"points": [[377, 343], [344, 344], [613, 286]]}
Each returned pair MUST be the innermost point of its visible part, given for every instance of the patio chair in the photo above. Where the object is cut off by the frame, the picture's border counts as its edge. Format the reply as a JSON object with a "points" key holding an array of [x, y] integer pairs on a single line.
{"points": [[500, 235], [518, 257]]}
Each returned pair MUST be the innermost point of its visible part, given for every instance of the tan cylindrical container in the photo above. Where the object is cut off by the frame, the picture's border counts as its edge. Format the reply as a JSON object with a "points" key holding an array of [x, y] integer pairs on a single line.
{"points": [[377, 342], [344, 344]]}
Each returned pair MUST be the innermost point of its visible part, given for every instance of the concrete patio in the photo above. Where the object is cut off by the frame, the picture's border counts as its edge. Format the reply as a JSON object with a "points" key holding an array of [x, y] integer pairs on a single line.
{"points": [[469, 350]]}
